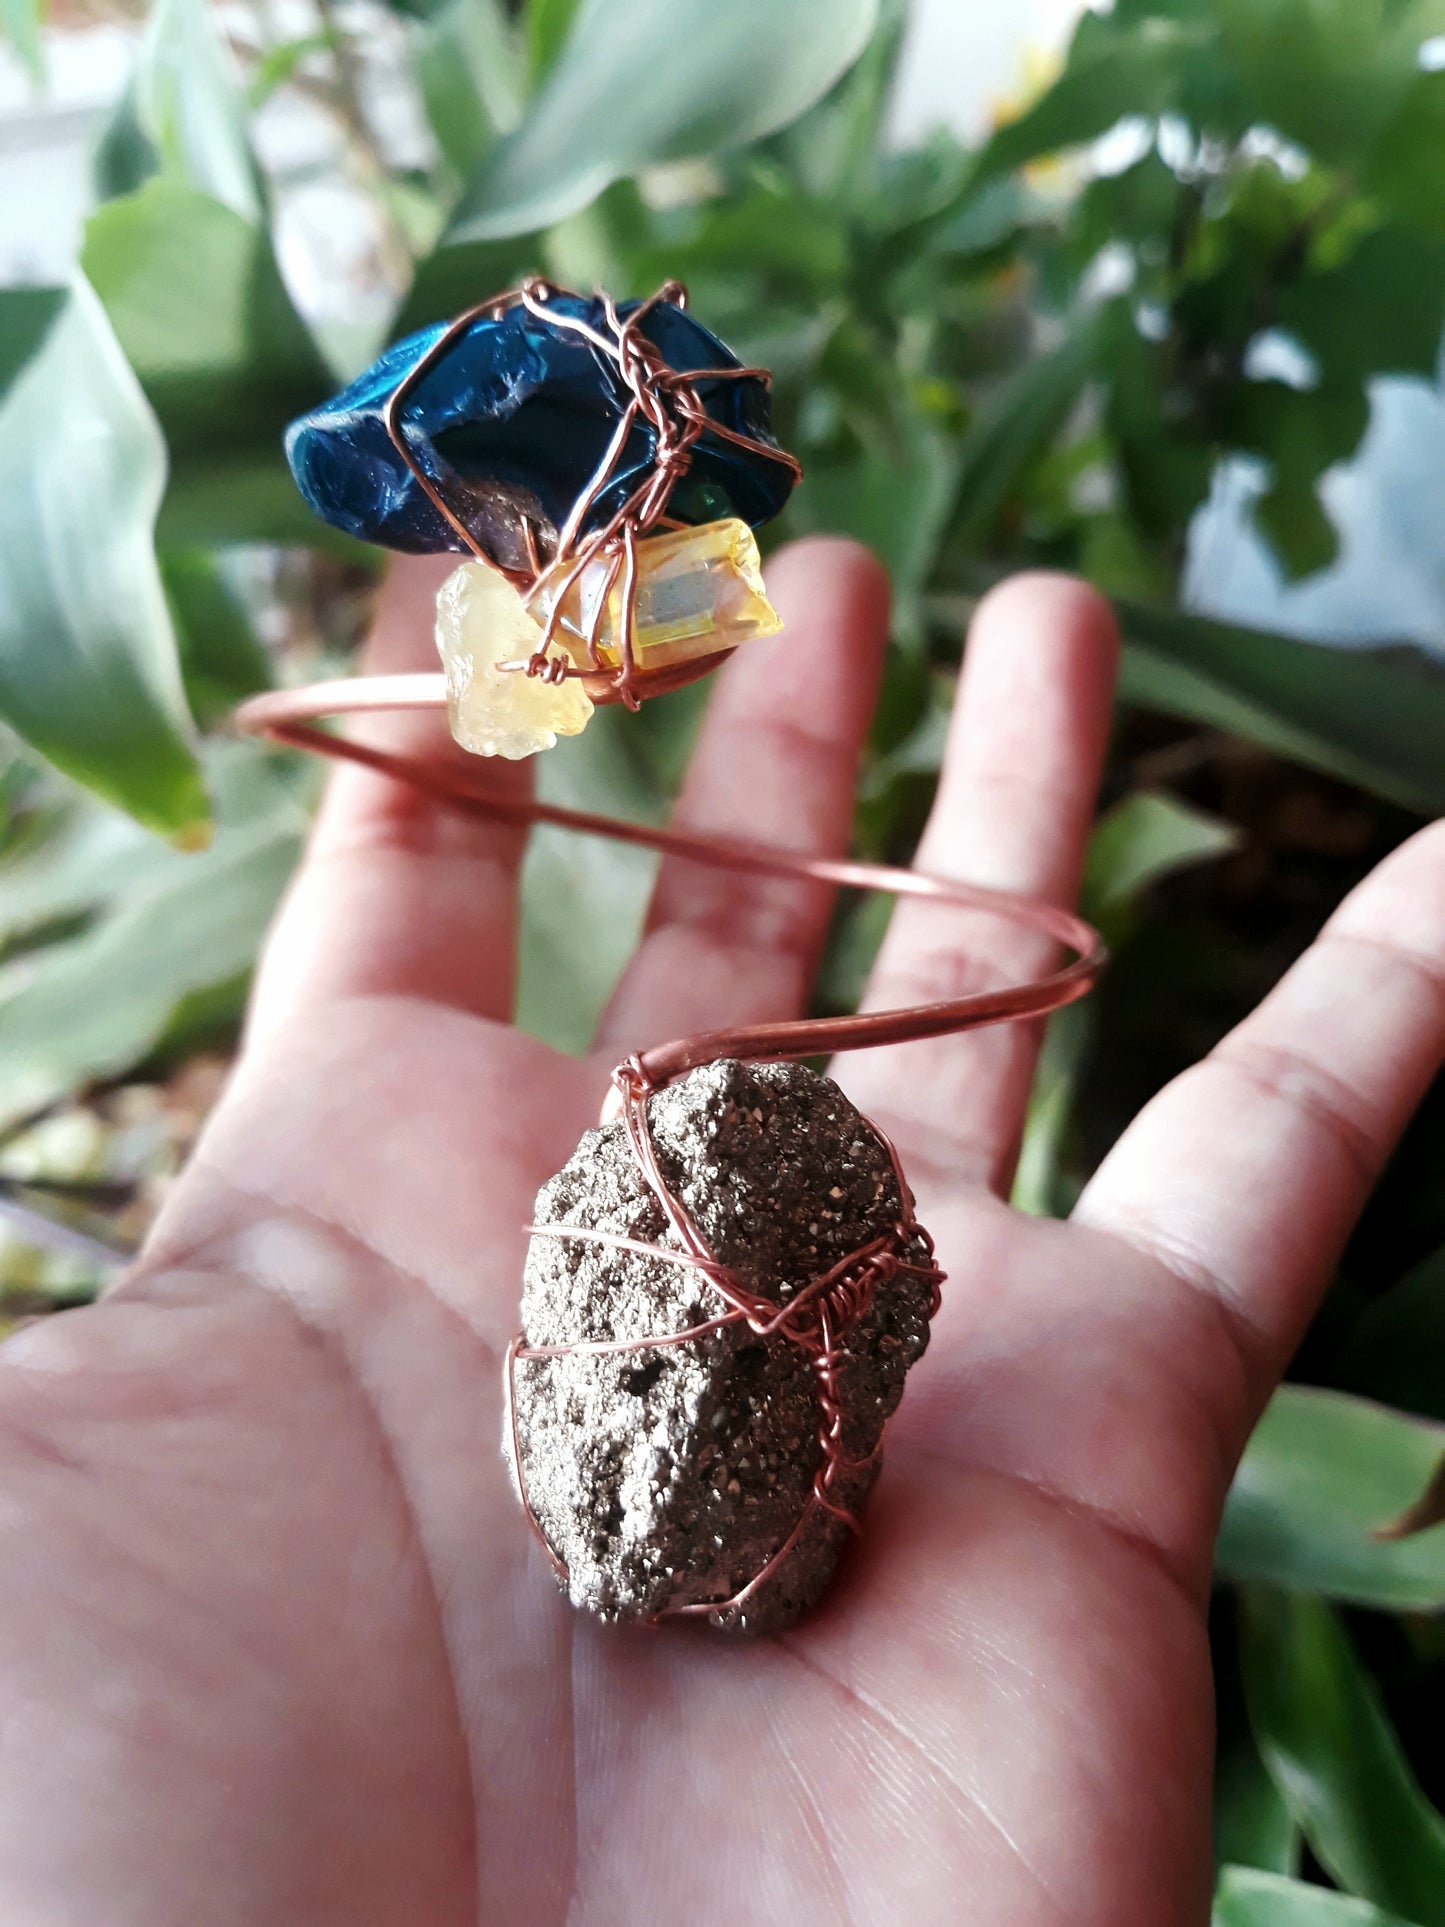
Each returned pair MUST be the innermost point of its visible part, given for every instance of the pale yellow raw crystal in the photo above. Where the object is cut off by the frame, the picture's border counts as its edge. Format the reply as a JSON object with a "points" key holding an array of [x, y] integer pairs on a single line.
{"points": [[698, 591], [481, 623]]}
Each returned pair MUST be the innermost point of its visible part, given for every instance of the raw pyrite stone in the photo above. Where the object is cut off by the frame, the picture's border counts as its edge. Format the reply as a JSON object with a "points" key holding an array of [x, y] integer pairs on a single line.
{"points": [[668, 1476]]}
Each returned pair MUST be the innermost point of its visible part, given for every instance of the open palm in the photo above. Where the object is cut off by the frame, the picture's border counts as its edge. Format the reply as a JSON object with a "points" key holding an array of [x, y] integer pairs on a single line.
{"points": [[275, 1644]]}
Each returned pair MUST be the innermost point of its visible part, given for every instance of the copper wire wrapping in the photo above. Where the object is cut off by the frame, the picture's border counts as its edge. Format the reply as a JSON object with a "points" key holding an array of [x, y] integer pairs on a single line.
{"points": [[814, 1320], [667, 399], [818, 1315]]}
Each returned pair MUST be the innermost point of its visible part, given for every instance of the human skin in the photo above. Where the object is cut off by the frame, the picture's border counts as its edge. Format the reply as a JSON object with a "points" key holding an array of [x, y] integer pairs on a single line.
{"points": [[275, 1643]]}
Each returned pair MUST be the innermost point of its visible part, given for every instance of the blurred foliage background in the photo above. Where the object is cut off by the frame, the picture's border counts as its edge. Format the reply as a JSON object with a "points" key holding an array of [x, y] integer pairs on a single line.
{"points": [[1191, 255]]}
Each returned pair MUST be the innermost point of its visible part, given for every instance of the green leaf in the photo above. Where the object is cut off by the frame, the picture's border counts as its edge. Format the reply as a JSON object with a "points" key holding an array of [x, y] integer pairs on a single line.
{"points": [[93, 1006], [195, 296], [455, 277], [30, 314], [88, 667], [1013, 428], [1039, 1186], [279, 63], [1335, 1757], [1378, 312], [183, 114], [548, 23], [645, 81], [1144, 838], [1245, 1897], [1297, 526], [68, 855], [20, 23], [1375, 717], [1331, 75], [1252, 1825], [1395, 1348], [894, 499], [222, 660], [469, 68], [1111, 73], [1323, 1473], [836, 151]]}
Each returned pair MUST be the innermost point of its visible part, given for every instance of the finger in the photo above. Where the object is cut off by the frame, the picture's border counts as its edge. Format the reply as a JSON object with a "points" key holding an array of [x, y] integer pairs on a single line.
{"points": [[397, 894], [776, 762], [1014, 803], [1245, 1176]]}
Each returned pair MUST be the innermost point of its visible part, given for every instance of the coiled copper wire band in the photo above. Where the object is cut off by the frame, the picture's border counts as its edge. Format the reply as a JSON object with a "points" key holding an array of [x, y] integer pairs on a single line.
{"points": [[818, 1316]]}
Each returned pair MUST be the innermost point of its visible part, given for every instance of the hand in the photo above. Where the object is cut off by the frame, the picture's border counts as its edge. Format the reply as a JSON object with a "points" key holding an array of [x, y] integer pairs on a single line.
{"points": [[275, 1643]]}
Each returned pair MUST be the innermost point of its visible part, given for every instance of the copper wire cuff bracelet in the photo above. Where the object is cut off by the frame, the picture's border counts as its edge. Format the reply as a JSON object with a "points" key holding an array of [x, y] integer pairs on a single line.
{"points": [[818, 1315], [292, 717]]}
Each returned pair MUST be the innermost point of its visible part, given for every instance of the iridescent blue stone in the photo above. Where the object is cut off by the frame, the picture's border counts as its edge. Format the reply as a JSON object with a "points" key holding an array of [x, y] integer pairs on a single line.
{"points": [[512, 422]]}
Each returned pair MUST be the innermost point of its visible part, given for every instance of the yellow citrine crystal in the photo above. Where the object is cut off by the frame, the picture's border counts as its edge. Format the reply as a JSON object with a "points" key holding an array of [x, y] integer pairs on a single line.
{"points": [[699, 590], [482, 622]]}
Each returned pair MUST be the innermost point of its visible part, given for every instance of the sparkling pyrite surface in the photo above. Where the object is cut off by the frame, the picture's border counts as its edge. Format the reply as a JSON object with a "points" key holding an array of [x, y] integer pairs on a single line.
{"points": [[512, 422], [668, 1476]]}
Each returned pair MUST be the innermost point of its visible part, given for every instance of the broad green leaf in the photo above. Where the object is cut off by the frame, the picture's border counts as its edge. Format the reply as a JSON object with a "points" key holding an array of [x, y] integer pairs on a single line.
{"points": [[1404, 171], [469, 68], [88, 667], [1395, 1349], [1246, 1897], [1039, 1187], [456, 277], [1329, 1744], [1301, 434], [641, 82], [548, 23], [195, 296], [183, 114], [73, 855], [1331, 75], [29, 315], [1252, 1825], [1375, 717], [1014, 426], [894, 500], [1378, 312], [222, 660], [20, 24], [1297, 526], [1322, 1474], [91, 1007], [1141, 840], [837, 150]]}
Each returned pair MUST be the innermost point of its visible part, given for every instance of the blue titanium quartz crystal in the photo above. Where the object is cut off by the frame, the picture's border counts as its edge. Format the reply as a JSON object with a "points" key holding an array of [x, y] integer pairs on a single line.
{"points": [[511, 424]]}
